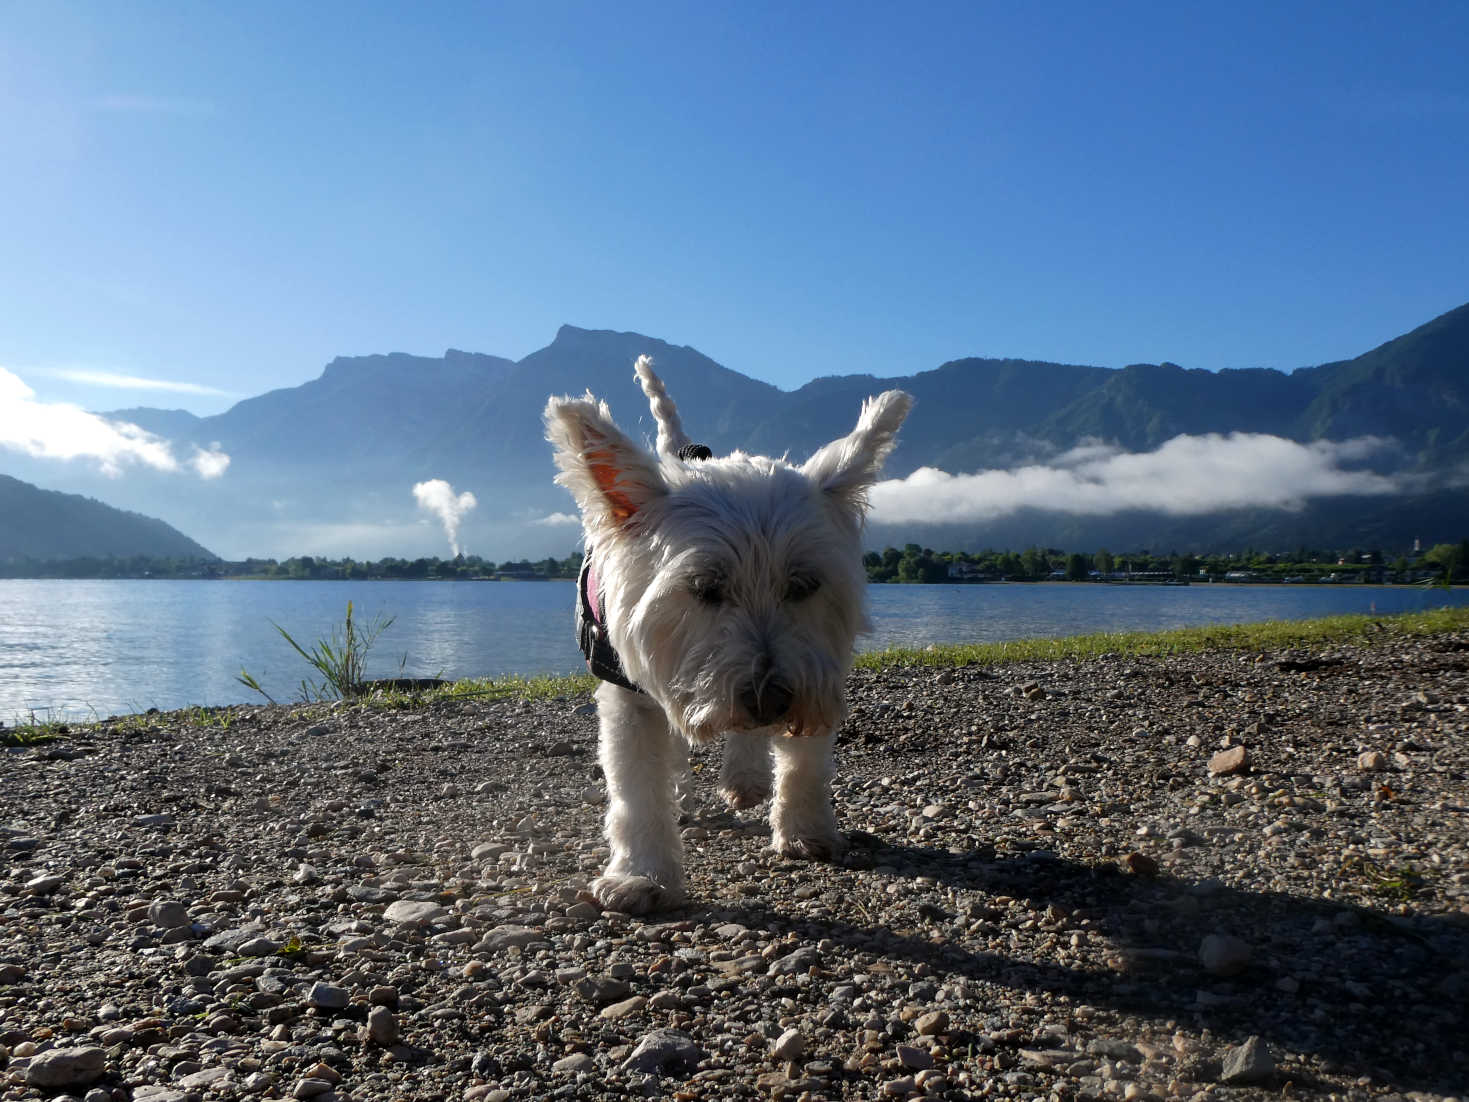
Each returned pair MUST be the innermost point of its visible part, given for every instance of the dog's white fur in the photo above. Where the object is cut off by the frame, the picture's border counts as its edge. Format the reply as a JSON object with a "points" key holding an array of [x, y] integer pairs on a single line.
{"points": [[732, 589]]}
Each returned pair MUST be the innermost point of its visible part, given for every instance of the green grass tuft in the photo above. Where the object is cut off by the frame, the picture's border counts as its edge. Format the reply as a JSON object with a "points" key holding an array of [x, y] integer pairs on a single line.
{"points": [[1270, 635]]}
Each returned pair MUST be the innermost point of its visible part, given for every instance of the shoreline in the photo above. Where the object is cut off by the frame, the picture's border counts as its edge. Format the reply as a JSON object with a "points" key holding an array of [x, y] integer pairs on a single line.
{"points": [[1360, 627], [1093, 879]]}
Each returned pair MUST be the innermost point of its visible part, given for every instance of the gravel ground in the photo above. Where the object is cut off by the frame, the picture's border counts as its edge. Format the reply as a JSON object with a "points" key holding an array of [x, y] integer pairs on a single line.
{"points": [[1215, 876]]}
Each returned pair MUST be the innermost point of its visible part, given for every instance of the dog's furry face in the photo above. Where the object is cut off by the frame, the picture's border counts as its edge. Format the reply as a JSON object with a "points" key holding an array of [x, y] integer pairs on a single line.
{"points": [[733, 587]]}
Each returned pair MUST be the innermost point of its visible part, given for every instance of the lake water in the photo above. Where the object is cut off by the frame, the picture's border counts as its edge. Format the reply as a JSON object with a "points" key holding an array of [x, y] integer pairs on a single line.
{"points": [[80, 649]]}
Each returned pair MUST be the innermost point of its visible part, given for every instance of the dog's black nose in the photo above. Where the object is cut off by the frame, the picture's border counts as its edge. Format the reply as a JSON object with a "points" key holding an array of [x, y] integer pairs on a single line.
{"points": [[768, 702]]}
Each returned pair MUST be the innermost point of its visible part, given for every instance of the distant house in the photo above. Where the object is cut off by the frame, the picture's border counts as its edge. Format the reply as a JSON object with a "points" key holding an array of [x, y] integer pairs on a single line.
{"points": [[965, 572]]}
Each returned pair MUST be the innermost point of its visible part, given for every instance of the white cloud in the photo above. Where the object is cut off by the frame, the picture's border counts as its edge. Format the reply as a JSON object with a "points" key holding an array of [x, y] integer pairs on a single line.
{"points": [[558, 520], [210, 463], [438, 497], [120, 381], [1188, 475], [59, 430]]}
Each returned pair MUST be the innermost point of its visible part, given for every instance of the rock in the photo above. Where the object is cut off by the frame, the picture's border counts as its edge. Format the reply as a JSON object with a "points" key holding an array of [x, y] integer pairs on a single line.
{"points": [[259, 947], [1372, 761], [168, 913], [503, 937], [1141, 864], [601, 990], [914, 1058], [1224, 955], [626, 1008], [1250, 1062], [204, 1079], [11, 973], [932, 1023], [381, 1028], [1230, 761], [790, 1045], [44, 884], [413, 912], [310, 1087], [801, 960], [67, 1067], [663, 1049], [574, 1064], [323, 996], [159, 1093]]}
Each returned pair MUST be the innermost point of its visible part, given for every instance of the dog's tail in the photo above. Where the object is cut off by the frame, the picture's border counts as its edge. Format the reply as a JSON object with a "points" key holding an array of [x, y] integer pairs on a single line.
{"points": [[671, 436]]}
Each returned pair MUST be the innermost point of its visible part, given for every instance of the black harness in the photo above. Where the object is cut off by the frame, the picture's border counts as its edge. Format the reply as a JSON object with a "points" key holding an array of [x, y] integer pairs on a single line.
{"points": [[591, 624]]}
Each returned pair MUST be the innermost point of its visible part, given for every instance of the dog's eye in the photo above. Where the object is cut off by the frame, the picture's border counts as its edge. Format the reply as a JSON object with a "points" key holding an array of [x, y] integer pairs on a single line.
{"points": [[708, 590], [801, 586]]}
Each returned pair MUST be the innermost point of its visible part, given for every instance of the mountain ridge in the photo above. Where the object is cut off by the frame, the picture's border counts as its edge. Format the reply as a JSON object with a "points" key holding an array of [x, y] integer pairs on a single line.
{"points": [[340, 453], [47, 524]]}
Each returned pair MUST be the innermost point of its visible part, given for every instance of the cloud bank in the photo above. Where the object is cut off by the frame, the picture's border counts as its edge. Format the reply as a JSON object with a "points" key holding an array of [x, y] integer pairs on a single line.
{"points": [[437, 497], [1186, 476], [59, 430], [558, 520]]}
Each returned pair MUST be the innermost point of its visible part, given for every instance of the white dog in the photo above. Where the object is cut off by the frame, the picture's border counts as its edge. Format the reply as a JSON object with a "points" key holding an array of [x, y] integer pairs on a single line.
{"points": [[719, 595]]}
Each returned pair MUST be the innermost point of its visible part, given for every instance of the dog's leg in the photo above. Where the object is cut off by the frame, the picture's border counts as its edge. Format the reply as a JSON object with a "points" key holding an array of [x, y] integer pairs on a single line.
{"points": [[802, 822], [744, 773], [639, 756]]}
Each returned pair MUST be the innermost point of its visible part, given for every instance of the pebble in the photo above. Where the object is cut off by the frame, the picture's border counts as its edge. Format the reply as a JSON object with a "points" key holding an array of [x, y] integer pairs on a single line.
{"points": [[1228, 762], [624, 1008], [168, 914], [790, 1045], [1250, 1062], [932, 1023], [412, 912], [574, 1064], [662, 1050], [66, 1067], [1224, 955], [914, 1057], [381, 1028], [324, 996]]}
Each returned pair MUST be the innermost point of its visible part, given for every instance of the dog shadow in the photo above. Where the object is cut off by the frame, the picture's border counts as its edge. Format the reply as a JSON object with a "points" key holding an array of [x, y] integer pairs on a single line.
{"points": [[1366, 992]]}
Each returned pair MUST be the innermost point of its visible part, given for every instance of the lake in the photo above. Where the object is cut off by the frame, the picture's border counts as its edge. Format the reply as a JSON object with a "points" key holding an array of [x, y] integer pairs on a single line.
{"points": [[85, 649]]}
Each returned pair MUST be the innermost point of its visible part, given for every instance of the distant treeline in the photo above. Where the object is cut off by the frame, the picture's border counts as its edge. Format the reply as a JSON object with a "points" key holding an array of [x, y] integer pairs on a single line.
{"points": [[924, 565], [913, 564]]}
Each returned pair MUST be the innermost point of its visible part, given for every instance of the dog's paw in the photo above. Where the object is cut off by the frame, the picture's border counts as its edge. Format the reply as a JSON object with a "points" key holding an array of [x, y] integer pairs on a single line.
{"points": [[743, 797], [634, 895], [825, 847]]}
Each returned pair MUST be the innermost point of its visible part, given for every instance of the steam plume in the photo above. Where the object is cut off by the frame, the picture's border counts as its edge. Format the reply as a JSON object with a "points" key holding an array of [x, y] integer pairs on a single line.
{"points": [[437, 497]]}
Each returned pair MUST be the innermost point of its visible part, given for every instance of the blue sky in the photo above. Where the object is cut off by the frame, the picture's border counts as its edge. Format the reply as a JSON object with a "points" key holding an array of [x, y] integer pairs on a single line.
{"points": [[222, 197]]}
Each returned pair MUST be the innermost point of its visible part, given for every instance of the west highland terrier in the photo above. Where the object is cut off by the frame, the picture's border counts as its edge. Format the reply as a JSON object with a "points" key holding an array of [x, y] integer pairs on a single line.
{"points": [[719, 595]]}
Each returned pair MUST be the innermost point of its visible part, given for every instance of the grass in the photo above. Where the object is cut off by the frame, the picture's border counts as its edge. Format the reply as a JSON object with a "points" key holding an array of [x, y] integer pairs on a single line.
{"points": [[1270, 635], [340, 660], [33, 732]]}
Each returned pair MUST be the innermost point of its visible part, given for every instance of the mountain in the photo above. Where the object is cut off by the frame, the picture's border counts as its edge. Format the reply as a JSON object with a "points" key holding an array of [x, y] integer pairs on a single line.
{"points": [[328, 467], [45, 524]]}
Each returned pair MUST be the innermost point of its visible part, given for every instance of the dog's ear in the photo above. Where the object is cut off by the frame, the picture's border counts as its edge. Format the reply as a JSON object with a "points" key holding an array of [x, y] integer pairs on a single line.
{"points": [[848, 467], [611, 477]]}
